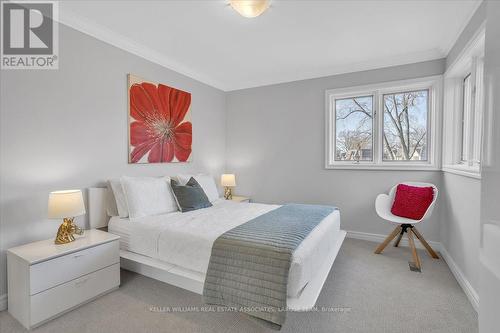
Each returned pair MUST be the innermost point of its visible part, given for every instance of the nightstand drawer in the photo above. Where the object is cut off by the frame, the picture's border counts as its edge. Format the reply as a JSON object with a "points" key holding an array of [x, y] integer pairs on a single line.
{"points": [[56, 271], [52, 302]]}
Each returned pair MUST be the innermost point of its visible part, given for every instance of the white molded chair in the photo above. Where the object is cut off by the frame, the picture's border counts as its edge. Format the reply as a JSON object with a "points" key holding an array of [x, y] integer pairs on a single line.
{"points": [[383, 206]]}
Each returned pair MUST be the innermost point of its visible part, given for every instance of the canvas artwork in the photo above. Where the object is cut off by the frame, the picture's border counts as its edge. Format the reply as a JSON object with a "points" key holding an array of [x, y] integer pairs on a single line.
{"points": [[160, 129]]}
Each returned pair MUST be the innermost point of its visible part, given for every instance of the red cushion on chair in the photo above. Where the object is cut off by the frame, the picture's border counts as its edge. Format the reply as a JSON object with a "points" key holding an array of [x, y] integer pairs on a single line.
{"points": [[412, 201]]}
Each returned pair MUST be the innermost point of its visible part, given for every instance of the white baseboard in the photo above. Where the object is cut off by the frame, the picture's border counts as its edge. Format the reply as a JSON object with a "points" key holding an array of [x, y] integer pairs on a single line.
{"points": [[378, 238], [3, 302], [469, 291]]}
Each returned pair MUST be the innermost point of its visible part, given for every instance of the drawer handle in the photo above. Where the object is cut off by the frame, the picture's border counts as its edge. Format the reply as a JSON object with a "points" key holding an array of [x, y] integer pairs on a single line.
{"points": [[76, 256], [79, 283]]}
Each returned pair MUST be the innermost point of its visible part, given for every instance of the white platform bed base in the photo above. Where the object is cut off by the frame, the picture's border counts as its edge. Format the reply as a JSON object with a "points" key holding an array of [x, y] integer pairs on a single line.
{"points": [[192, 281]]}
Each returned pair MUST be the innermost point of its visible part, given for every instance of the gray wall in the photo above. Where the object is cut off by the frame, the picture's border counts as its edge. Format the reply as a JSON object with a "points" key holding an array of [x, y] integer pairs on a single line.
{"points": [[461, 226], [67, 128], [276, 147], [488, 317], [491, 167]]}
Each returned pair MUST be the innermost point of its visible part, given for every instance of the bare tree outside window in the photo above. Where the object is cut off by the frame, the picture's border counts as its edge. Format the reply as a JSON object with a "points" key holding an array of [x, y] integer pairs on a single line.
{"points": [[354, 129], [383, 126], [405, 126]]}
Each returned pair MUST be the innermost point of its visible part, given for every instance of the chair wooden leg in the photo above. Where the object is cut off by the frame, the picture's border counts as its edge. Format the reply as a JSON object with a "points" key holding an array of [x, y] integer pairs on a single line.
{"points": [[398, 240], [414, 253], [429, 249], [389, 238]]}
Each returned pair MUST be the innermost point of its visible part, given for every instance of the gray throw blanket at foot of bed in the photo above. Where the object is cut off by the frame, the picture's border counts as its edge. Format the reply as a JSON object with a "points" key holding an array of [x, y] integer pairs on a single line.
{"points": [[249, 264]]}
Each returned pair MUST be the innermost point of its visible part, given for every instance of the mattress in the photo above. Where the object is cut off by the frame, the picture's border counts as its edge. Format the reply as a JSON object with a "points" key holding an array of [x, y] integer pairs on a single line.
{"points": [[186, 239]]}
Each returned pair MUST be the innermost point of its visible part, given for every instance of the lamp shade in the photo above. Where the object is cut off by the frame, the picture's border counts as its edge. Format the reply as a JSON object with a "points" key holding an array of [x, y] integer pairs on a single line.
{"points": [[63, 204], [250, 8], [228, 179]]}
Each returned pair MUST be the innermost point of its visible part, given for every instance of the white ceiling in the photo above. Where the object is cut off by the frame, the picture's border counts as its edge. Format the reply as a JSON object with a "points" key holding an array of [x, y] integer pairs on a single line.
{"points": [[293, 40]]}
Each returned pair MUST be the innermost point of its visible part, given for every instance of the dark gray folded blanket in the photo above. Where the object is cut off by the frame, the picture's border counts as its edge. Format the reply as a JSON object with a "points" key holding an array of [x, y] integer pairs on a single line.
{"points": [[249, 264]]}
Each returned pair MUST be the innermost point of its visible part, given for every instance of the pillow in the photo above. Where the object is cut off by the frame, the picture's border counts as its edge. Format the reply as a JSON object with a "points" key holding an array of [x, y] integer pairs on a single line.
{"points": [[148, 196], [120, 200], [412, 201], [206, 182], [190, 196]]}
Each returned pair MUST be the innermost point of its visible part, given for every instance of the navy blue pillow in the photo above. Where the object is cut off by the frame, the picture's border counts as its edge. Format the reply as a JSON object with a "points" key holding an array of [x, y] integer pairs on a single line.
{"points": [[190, 196]]}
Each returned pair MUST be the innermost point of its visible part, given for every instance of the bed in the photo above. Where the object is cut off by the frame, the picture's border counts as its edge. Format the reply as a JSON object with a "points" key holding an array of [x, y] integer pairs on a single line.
{"points": [[175, 248]]}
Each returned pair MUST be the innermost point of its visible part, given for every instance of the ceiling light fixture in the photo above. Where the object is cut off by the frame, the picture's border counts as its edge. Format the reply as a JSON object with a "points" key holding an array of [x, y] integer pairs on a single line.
{"points": [[250, 8]]}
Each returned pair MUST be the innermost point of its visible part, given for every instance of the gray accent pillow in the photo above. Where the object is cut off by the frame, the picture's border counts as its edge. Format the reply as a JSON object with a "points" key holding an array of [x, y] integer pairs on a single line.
{"points": [[190, 196]]}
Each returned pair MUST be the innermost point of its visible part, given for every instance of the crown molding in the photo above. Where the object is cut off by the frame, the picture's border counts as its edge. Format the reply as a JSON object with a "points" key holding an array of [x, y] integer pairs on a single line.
{"points": [[102, 33], [380, 63], [446, 50]]}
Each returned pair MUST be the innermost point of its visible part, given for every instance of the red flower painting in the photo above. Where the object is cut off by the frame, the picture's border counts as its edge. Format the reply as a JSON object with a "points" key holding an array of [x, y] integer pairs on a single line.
{"points": [[159, 128]]}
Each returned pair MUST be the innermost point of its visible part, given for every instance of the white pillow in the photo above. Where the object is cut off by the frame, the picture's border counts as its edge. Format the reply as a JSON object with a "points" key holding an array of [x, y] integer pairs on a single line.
{"points": [[206, 182], [121, 202], [148, 196]]}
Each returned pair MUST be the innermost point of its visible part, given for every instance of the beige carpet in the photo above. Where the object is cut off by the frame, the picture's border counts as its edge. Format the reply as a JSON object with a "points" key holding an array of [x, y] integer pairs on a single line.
{"points": [[364, 293]]}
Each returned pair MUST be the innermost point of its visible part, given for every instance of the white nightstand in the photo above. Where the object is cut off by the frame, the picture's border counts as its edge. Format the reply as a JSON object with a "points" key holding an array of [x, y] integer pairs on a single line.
{"points": [[46, 280], [240, 199]]}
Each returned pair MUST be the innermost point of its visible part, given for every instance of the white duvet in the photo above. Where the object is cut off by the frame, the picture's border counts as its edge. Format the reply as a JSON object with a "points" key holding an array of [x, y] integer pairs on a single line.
{"points": [[185, 239]]}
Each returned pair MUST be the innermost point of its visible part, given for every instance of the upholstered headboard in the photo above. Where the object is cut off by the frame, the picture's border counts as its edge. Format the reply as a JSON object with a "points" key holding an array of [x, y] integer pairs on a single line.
{"points": [[97, 206]]}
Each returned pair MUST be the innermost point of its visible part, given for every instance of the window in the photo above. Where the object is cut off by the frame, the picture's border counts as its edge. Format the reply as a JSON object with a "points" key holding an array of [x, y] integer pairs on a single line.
{"points": [[463, 111], [354, 129], [405, 126], [472, 115], [397, 137]]}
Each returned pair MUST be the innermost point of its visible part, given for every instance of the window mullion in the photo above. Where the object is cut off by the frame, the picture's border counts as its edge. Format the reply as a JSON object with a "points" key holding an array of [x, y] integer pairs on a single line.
{"points": [[378, 142]]}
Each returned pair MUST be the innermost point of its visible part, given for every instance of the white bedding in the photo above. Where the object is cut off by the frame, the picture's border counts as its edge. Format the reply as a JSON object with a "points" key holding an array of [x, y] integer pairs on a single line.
{"points": [[185, 239]]}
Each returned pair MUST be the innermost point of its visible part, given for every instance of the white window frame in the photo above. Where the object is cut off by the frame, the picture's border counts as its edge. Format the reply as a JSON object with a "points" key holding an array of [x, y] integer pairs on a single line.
{"points": [[433, 84], [470, 61]]}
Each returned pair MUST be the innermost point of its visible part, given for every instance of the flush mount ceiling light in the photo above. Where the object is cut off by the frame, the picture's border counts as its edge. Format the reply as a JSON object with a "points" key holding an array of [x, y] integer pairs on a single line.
{"points": [[250, 8]]}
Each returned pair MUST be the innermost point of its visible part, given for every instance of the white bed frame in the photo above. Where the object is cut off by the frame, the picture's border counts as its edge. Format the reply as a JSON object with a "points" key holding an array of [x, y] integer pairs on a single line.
{"points": [[191, 280]]}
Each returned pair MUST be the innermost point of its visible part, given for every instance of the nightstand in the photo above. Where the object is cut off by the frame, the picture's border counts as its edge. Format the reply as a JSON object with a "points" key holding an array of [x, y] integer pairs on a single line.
{"points": [[46, 280], [240, 199]]}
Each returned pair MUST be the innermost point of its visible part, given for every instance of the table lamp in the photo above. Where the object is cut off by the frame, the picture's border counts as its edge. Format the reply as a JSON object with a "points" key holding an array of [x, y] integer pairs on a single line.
{"points": [[228, 181], [66, 205]]}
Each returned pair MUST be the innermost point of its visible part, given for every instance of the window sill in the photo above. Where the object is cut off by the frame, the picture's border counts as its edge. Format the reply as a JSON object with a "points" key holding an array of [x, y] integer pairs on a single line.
{"points": [[388, 167], [463, 170]]}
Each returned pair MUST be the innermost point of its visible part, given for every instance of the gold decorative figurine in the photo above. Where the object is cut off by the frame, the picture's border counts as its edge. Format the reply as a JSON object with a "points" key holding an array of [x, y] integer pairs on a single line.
{"points": [[228, 193], [228, 180], [66, 205], [66, 231]]}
